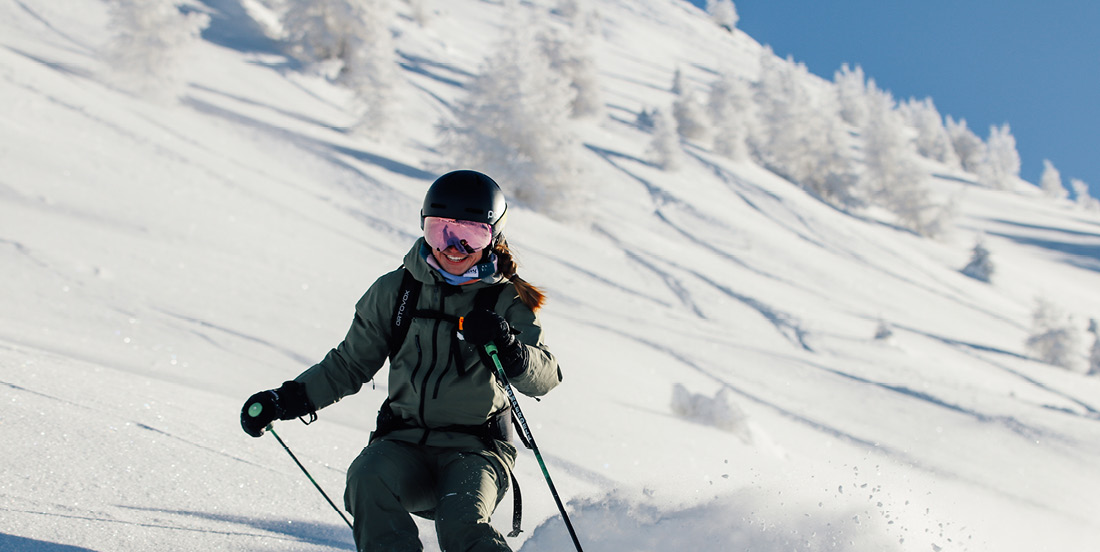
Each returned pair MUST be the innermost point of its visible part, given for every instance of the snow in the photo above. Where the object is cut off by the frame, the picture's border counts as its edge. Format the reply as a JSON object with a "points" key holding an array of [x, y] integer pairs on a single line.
{"points": [[163, 259]]}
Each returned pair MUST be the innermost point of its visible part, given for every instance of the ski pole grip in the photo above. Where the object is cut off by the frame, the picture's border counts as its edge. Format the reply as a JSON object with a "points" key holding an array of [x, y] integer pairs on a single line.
{"points": [[255, 409]]}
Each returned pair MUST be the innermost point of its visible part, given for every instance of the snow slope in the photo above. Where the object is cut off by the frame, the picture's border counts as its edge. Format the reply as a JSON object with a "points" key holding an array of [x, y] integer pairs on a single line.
{"points": [[162, 260]]}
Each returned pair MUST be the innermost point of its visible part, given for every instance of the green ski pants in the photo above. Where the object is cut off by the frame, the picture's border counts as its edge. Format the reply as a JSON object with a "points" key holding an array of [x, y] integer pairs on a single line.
{"points": [[458, 489]]}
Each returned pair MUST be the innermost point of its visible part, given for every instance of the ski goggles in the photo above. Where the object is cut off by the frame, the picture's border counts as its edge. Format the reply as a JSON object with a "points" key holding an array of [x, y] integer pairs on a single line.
{"points": [[465, 235]]}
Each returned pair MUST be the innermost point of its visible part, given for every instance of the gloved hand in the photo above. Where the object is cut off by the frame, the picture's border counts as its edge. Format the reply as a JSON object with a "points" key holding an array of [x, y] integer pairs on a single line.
{"points": [[285, 403], [483, 326]]}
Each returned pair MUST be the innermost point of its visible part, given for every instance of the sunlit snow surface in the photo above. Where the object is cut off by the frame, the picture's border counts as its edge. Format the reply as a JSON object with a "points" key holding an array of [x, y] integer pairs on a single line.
{"points": [[163, 259]]}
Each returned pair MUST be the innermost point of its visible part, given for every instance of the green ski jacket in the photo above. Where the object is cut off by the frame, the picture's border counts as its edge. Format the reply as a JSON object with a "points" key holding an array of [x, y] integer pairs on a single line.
{"points": [[435, 379]]}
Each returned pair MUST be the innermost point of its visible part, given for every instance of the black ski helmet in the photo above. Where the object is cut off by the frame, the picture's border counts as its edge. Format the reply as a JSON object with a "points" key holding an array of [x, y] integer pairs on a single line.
{"points": [[466, 195]]}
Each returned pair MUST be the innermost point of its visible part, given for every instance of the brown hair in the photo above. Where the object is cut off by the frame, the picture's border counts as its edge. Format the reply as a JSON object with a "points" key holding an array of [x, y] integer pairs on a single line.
{"points": [[531, 296]]}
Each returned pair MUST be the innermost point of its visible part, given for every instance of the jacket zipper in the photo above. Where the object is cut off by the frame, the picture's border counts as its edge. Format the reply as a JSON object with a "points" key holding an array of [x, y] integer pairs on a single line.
{"points": [[419, 361], [431, 366]]}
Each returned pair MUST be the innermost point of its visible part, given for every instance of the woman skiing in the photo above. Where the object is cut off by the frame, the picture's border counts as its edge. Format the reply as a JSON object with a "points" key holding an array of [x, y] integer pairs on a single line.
{"points": [[441, 447]]}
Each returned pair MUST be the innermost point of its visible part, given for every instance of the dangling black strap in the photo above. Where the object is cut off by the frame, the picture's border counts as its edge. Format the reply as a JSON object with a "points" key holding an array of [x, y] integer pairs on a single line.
{"points": [[517, 508]]}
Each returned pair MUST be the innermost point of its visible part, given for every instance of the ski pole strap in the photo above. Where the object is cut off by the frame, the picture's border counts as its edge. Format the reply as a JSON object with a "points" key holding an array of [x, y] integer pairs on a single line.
{"points": [[491, 349]]}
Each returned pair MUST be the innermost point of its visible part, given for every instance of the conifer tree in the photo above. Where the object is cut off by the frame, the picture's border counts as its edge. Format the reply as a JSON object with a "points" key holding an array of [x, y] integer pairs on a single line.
{"points": [[723, 13], [968, 146], [851, 90], [1081, 196], [664, 147], [1053, 339], [729, 105], [419, 12], [884, 331], [352, 37], [1094, 353], [980, 266], [1051, 182], [690, 116], [677, 86], [570, 55], [932, 139], [150, 39], [891, 172], [798, 134], [1000, 165], [514, 125]]}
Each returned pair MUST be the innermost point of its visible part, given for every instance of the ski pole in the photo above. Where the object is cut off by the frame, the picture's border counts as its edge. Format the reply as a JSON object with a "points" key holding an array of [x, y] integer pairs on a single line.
{"points": [[493, 353], [254, 410]]}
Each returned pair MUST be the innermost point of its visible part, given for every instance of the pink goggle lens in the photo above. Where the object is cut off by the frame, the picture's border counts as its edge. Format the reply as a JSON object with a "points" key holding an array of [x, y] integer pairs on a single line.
{"points": [[466, 235]]}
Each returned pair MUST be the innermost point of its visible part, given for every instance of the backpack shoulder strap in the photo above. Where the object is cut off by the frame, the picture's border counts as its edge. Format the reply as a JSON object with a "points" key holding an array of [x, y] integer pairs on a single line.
{"points": [[407, 296], [487, 297]]}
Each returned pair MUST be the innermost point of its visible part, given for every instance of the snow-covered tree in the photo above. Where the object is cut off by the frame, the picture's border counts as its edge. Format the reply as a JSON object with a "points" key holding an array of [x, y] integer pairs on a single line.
{"points": [[981, 265], [1000, 166], [968, 146], [891, 171], [664, 147], [1081, 195], [729, 105], [320, 30], [1053, 339], [884, 331], [797, 132], [419, 11], [1051, 182], [371, 70], [690, 115], [1094, 353], [851, 92], [515, 126], [150, 39], [569, 9], [932, 139], [723, 12], [677, 86], [352, 38], [570, 54]]}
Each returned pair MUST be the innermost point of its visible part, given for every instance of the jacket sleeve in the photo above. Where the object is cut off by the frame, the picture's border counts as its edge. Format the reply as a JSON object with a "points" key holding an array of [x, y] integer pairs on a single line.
{"points": [[542, 373], [359, 356]]}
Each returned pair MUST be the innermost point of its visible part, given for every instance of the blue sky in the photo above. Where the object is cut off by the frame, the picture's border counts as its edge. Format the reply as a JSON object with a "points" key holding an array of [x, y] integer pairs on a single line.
{"points": [[1034, 65]]}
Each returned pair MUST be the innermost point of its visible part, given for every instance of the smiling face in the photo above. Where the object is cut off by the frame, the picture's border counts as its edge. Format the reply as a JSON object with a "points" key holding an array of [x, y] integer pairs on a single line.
{"points": [[456, 261]]}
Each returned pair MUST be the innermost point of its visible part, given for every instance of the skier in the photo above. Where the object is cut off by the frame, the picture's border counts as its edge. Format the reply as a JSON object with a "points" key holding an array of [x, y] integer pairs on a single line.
{"points": [[441, 448]]}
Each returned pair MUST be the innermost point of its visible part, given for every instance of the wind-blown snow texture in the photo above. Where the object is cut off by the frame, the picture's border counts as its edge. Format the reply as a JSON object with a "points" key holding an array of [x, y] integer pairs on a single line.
{"points": [[162, 260]]}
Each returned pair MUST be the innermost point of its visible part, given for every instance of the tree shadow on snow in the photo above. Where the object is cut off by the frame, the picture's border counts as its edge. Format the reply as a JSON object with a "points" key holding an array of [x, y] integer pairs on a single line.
{"points": [[1086, 256], [232, 27], [12, 543], [322, 534]]}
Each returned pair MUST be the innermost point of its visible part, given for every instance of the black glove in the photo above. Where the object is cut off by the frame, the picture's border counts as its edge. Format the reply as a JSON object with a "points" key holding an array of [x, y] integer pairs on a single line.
{"points": [[483, 326], [285, 403]]}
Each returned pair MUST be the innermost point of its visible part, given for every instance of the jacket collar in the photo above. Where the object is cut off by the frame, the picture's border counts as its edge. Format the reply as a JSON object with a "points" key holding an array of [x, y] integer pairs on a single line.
{"points": [[422, 271]]}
